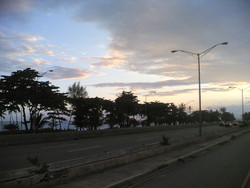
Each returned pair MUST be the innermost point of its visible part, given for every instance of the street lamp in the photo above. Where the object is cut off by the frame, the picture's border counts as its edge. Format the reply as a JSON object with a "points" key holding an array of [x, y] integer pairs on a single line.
{"points": [[190, 107], [41, 75], [146, 96], [242, 100], [36, 113], [199, 56], [150, 93]]}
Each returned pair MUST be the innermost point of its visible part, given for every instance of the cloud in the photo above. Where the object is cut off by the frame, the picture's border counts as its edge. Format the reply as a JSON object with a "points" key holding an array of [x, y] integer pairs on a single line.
{"points": [[145, 31], [14, 9], [68, 59], [18, 44], [65, 73], [148, 85], [20, 51], [32, 38], [40, 61], [113, 60]]}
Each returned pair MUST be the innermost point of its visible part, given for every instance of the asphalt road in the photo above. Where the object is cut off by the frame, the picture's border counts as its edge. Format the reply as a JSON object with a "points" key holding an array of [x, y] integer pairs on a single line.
{"points": [[15, 157], [224, 167]]}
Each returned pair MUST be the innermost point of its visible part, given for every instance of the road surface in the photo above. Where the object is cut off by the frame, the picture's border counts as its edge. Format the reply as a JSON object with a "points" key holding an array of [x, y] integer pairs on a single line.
{"points": [[15, 157], [224, 167]]}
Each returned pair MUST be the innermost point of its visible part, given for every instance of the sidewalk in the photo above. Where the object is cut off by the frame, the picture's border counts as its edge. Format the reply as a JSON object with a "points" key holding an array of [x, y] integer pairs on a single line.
{"points": [[126, 175]]}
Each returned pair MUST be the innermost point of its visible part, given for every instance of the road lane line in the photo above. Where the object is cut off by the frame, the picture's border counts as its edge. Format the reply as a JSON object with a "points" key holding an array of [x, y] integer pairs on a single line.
{"points": [[82, 149], [61, 146], [154, 143], [144, 139], [246, 182]]}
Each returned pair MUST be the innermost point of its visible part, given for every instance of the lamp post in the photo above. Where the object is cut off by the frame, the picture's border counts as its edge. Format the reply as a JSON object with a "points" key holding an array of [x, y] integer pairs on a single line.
{"points": [[198, 56], [146, 96], [242, 100], [41, 75], [190, 107], [36, 113]]}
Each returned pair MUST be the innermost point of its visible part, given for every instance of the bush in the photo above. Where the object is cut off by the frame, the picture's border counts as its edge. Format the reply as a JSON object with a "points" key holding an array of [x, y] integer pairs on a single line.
{"points": [[165, 141], [11, 127], [244, 124]]}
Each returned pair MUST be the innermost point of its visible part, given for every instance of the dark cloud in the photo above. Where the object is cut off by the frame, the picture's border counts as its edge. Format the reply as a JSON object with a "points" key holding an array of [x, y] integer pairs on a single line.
{"points": [[147, 85], [15, 10], [65, 73], [145, 30]]}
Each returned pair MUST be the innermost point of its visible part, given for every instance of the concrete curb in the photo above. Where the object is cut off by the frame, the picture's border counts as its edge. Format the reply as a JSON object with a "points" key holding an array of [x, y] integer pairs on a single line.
{"points": [[131, 180]]}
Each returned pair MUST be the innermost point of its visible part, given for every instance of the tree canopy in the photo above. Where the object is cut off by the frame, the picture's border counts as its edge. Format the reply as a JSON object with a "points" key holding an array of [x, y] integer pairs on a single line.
{"points": [[23, 91], [76, 90]]}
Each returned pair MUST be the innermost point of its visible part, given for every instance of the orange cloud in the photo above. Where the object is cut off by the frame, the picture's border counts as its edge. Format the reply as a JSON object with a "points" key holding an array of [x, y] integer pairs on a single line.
{"points": [[116, 58], [40, 61]]}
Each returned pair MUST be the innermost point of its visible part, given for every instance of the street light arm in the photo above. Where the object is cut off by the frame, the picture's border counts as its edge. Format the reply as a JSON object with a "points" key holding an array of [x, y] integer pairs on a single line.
{"points": [[198, 56], [186, 52], [209, 49], [41, 75]]}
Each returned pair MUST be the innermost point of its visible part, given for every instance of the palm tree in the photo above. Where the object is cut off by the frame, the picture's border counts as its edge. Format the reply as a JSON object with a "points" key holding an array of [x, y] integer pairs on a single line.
{"points": [[40, 121]]}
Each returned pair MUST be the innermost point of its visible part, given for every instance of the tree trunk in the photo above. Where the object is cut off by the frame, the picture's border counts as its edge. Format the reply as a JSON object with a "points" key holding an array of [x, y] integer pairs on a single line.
{"points": [[70, 119], [24, 119]]}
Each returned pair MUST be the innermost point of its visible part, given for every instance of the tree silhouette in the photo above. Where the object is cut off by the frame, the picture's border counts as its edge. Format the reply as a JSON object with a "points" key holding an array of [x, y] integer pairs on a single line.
{"points": [[246, 116], [88, 113], [77, 91], [23, 92], [126, 106]]}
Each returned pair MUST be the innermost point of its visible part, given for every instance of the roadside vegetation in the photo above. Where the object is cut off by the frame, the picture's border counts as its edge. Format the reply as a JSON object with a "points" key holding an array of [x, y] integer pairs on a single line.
{"points": [[44, 108]]}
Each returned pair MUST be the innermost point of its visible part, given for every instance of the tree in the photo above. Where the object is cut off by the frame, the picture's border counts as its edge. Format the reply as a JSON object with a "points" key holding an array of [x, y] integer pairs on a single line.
{"points": [[77, 91], [41, 121], [88, 113], [2, 108], [156, 113], [213, 116], [226, 116], [126, 106], [18, 89], [246, 116], [22, 91], [95, 112], [110, 113]]}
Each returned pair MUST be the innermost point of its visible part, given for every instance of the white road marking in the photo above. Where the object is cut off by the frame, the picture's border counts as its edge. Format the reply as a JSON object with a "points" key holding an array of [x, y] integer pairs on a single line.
{"points": [[246, 181], [82, 149], [154, 143], [60, 146], [144, 139]]}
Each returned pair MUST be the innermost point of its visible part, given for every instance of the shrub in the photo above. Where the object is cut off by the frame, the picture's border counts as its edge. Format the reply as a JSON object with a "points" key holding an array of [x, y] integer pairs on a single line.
{"points": [[165, 141], [11, 127]]}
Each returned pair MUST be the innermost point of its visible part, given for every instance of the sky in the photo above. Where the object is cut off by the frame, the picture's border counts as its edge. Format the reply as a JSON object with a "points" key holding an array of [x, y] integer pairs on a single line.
{"points": [[112, 46]]}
